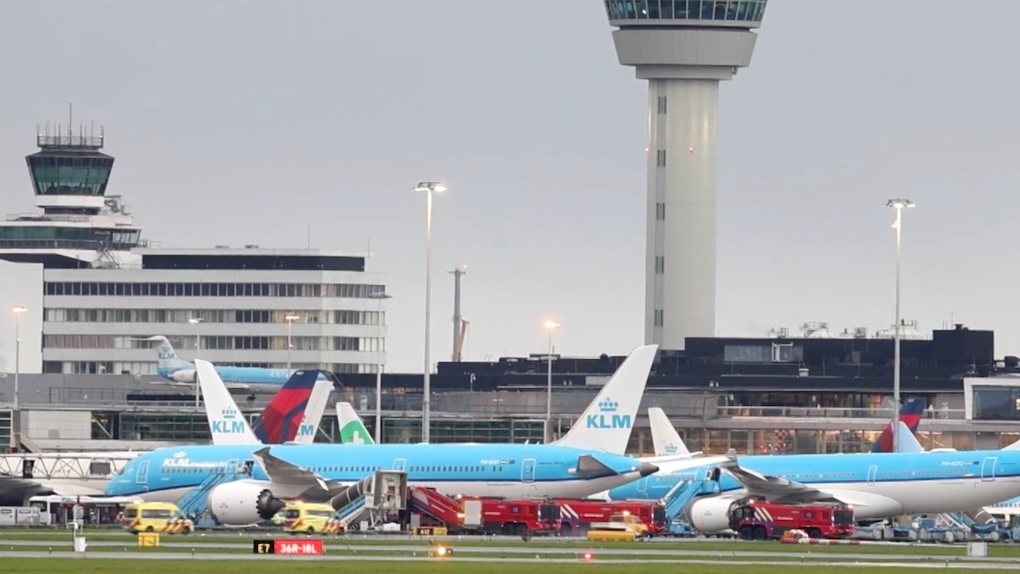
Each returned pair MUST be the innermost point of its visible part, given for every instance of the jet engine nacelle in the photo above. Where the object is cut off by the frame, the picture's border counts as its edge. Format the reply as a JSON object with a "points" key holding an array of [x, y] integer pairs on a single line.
{"points": [[711, 514], [243, 502], [183, 376]]}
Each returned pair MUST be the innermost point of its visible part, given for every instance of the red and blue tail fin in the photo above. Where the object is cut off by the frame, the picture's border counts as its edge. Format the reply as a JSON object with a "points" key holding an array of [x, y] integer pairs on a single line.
{"points": [[911, 414], [281, 419]]}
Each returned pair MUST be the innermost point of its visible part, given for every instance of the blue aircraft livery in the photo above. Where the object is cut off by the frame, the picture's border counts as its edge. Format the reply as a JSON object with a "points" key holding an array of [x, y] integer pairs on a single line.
{"points": [[607, 417], [878, 485], [318, 472], [171, 367], [231, 423]]}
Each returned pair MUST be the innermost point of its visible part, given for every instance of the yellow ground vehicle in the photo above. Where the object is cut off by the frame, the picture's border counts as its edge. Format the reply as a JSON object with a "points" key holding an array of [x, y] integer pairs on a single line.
{"points": [[161, 517], [310, 517], [622, 526]]}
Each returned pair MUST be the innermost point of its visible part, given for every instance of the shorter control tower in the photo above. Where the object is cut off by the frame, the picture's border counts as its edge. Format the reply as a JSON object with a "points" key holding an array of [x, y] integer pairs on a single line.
{"points": [[79, 225], [684, 48]]}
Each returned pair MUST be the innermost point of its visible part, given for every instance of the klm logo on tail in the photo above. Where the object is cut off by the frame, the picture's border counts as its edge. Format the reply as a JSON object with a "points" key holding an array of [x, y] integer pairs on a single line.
{"points": [[607, 417], [671, 448], [306, 430], [230, 423], [166, 353]]}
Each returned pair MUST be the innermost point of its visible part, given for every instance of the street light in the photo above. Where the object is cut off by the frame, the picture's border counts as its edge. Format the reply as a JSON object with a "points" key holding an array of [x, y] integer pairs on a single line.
{"points": [[429, 187], [290, 318], [198, 351], [898, 205], [17, 350], [550, 326], [379, 297]]}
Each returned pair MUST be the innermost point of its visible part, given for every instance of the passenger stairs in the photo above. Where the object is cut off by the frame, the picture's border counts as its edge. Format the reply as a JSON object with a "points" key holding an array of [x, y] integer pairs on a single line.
{"points": [[195, 502], [436, 505], [353, 512], [677, 500], [966, 522]]}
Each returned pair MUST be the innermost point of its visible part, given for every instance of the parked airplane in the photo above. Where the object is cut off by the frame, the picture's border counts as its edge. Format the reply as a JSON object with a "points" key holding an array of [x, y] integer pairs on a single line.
{"points": [[665, 440], [324, 472], [179, 372], [293, 415], [87, 473], [607, 422], [911, 414]]}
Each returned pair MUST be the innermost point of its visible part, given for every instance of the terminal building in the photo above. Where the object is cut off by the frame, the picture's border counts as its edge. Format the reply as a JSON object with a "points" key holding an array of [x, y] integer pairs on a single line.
{"points": [[105, 289]]}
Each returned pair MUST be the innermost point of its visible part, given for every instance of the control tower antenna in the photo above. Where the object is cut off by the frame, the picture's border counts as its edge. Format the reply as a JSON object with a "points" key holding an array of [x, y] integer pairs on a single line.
{"points": [[684, 48], [458, 319]]}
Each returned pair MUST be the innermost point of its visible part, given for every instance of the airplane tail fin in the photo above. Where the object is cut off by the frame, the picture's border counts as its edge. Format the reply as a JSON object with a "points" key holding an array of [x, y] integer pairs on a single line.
{"points": [[352, 429], [607, 422], [911, 414], [314, 411], [166, 356], [226, 422], [280, 421], [665, 439], [908, 442]]}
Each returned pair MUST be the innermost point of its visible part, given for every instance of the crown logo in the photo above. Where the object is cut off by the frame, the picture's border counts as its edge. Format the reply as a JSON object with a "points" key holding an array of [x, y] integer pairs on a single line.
{"points": [[671, 448], [608, 405], [229, 413]]}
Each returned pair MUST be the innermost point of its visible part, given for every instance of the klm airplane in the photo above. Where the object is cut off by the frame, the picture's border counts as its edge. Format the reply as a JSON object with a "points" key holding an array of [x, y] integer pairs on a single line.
{"points": [[181, 372], [325, 472], [878, 485], [328, 472]]}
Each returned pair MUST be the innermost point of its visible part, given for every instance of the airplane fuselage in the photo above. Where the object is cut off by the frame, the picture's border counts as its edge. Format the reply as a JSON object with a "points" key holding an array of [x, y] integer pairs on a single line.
{"points": [[501, 470], [881, 484]]}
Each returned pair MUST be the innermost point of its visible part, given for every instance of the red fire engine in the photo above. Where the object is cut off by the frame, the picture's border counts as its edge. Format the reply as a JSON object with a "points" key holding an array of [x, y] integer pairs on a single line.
{"points": [[577, 515], [760, 520], [516, 517]]}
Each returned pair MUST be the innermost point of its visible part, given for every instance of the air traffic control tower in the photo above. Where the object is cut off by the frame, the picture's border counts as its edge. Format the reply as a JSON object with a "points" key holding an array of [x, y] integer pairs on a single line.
{"points": [[684, 48]]}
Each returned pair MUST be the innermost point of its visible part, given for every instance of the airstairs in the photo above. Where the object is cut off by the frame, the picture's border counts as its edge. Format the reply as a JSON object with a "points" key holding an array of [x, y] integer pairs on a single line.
{"points": [[372, 499], [195, 503], [679, 498]]}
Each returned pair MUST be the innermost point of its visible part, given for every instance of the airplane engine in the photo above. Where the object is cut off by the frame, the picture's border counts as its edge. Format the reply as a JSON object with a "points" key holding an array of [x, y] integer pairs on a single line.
{"points": [[243, 502], [183, 376], [711, 514]]}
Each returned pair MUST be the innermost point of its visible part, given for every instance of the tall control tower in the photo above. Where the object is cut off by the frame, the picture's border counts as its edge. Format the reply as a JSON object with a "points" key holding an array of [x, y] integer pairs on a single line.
{"points": [[684, 48]]}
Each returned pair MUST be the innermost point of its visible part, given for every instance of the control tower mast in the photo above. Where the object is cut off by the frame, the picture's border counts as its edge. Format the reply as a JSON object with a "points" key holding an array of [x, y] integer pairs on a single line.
{"points": [[684, 48]]}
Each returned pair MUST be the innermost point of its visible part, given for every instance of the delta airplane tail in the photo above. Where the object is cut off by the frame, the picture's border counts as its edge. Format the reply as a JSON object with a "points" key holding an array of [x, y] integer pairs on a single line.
{"points": [[607, 422], [279, 422], [316, 407], [910, 414], [352, 429], [226, 422]]}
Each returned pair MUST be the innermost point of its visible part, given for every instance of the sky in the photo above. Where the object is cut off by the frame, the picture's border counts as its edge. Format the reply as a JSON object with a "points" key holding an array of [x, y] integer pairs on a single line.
{"points": [[238, 122]]}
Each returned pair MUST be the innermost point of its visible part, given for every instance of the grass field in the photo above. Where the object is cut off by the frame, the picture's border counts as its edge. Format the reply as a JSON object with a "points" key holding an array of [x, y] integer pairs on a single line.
{"points": [[63, 538], [96, 566]]}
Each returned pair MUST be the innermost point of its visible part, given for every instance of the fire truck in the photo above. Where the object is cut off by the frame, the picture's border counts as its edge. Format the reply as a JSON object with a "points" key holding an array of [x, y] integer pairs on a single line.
{"points": [[760, 520], [577, 515], [510, 517]]}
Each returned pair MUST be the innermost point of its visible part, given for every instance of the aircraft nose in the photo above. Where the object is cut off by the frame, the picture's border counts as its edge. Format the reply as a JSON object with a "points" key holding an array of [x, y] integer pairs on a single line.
{"points": [[647, 468]]}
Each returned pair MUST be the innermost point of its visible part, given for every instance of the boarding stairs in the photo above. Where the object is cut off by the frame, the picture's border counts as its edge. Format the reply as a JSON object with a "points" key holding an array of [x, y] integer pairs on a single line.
{"points": [[679, 498], [195, 502], [374, 496], [978, 522], [436, 505]]}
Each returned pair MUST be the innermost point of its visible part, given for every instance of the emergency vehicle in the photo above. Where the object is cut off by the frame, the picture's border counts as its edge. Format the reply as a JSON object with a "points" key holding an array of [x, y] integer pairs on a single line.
{"points": [[760, 520], [163, 517], [510, 517], [576, 516], [311, 518]]}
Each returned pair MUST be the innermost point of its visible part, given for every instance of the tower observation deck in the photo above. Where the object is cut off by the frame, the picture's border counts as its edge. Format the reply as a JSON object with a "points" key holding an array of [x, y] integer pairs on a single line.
{"points": [[684, 48], [79, 225]]}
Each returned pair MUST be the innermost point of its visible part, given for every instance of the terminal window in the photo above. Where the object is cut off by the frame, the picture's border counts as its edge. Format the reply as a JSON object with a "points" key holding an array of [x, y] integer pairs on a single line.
{"points": [[996, 403]]}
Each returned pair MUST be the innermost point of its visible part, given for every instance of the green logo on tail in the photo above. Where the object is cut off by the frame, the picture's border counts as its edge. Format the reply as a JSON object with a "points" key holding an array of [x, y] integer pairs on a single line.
{"points": [[355, 432]]}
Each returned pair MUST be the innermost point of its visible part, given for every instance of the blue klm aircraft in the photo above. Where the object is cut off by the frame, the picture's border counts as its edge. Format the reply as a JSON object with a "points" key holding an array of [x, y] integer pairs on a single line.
{"points": [[330, 472], [181, 372]]}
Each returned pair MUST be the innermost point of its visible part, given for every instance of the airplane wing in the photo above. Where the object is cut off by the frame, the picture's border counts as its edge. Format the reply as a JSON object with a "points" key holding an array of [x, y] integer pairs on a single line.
{"points": [[283, 472], [775, 488], [40, 487]]}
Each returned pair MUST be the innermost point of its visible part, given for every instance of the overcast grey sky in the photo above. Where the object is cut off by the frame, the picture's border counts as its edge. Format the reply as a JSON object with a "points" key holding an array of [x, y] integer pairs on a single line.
{"points": [[239, 122]]}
